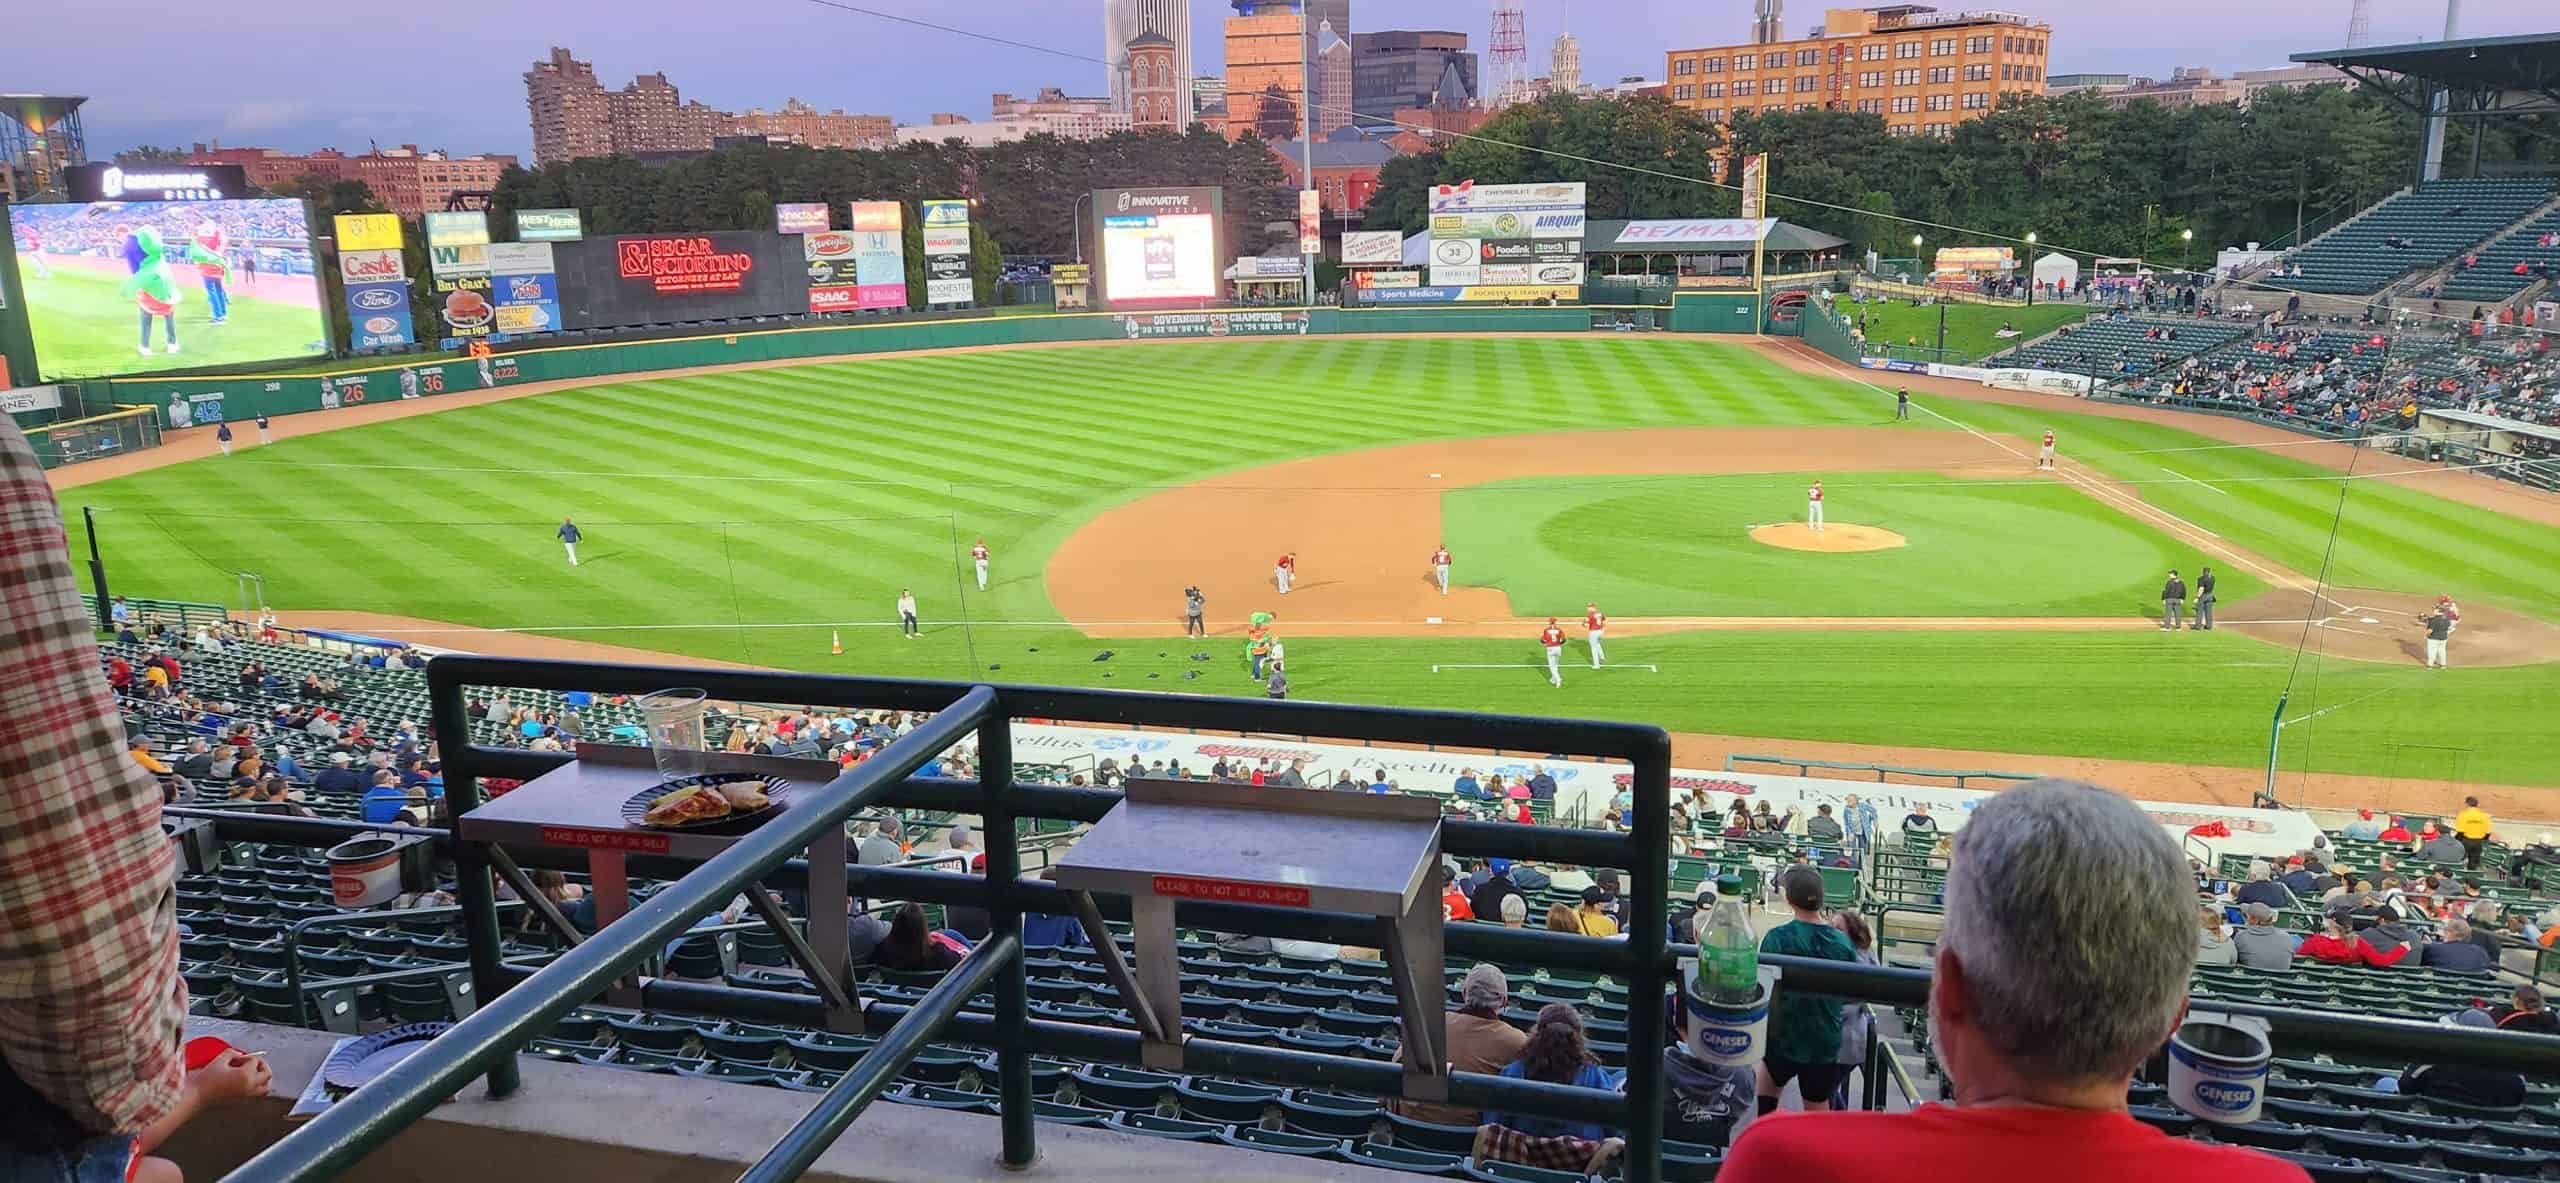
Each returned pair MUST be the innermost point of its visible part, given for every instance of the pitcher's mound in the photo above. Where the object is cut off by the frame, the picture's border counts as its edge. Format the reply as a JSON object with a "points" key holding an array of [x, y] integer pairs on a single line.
{"points": [[1840, 539]]}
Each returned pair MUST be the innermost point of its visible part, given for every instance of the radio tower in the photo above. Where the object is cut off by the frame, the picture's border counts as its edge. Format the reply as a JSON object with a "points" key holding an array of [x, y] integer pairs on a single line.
{"points": [[1508, 66], [2360, 24]]}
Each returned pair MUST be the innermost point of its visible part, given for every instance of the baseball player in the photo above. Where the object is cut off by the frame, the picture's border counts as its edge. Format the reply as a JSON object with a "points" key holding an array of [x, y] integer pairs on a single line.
{"points": [[1193, 604], [568, 536], [1440, 567], [2452, 613], [1594, 623], [1285, 570], [978, 555], [2044, 459], [1813, 506], [263, 438], [907, 625], [222, 436], [1553, 638]]}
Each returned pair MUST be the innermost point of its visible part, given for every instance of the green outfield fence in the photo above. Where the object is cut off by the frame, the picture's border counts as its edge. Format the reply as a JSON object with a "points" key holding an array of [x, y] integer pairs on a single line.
{"points": [[239, 397]]}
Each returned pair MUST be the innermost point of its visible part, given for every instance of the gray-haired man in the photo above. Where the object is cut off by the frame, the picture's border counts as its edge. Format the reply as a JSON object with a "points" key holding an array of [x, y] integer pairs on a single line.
{"points": [[2039, 1026], [2260, 944]]}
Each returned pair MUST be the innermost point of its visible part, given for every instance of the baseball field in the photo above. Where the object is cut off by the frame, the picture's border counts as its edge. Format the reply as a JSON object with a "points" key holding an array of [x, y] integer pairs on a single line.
{"points": [[1969, 605]]}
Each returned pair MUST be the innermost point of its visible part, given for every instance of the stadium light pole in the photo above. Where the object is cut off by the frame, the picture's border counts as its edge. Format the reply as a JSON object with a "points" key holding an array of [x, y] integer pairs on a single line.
{"points": [[2187, 251], [1307, 153], [1078, 219], [97, 568], [2031, 267]]}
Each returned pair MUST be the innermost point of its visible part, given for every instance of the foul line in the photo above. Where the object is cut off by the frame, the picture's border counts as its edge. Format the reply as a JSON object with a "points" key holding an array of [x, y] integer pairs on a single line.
{"points": [[2193, 481], [1532, 665], [2339, 706]]}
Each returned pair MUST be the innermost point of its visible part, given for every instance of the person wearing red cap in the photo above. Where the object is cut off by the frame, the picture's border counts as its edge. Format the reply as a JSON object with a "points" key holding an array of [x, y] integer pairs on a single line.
{"points": [[1553, 638], [2366, 827], [2397, 832]]}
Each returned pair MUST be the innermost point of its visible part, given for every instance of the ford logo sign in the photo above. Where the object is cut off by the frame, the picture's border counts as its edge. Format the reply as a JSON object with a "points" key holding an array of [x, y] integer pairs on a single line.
{"points": [[2225, 1098], [376, 299]]}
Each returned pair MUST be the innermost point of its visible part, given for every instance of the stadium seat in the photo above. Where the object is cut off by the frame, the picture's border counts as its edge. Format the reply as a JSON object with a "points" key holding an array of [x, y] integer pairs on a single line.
{"points": [[1257, 1138], [1413, 1134], [1398, 1158], [1165, 1127]]}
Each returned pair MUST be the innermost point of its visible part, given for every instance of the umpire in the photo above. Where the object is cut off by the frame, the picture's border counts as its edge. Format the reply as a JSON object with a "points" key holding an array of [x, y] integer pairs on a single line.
{"points": [[2204, 600], [2173, 602]]}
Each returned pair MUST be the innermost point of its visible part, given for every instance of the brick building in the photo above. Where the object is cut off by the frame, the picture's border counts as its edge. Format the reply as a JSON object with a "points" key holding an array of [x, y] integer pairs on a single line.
{"points": [[574, 117], [407, 181], [1347, 166], [1266, 59], [1159, 97], [1922, 71]]}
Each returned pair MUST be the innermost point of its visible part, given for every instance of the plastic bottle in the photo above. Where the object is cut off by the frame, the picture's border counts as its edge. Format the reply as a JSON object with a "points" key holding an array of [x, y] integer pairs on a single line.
{"points": [[1728, 951]]}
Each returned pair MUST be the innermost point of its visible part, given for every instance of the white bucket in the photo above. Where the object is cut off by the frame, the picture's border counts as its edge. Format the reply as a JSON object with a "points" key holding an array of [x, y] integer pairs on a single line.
{"points": [[1728, 1036], [365, 872], [2218, 1068]]}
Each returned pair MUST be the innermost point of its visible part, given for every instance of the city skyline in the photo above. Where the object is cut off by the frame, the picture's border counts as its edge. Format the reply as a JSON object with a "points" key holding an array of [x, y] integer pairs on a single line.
{"points": [[378, 89]]}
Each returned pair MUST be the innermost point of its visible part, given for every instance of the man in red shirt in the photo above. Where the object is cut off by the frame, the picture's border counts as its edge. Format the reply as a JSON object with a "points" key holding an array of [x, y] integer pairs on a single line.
{"points": [[2044, 459], [1553, 638], [1440, 567], [2039, 1028], [1594, 622], [978, 555], [1813, 506], [1285, 570]]}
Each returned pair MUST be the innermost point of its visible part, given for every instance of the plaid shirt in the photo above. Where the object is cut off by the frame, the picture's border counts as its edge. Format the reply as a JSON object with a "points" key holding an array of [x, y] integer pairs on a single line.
{"points": [[90, 1001]]}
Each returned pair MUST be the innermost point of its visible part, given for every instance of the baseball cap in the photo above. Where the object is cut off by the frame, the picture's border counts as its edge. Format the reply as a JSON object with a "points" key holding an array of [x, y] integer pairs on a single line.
{"points": [[1595, 894]]}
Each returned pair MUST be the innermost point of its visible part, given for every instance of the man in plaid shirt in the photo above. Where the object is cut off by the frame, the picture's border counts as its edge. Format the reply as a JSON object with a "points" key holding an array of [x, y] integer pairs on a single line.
{"points": [[90, 1002]]}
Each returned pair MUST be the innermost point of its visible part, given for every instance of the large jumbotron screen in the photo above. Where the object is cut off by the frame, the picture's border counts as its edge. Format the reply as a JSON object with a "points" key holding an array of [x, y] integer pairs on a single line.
{"points": [[119, 287], [1161, 248]]}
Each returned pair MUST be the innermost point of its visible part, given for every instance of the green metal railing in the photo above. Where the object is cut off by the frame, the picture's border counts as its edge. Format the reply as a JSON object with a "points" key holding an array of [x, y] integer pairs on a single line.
{"points": [[1963, 777]]}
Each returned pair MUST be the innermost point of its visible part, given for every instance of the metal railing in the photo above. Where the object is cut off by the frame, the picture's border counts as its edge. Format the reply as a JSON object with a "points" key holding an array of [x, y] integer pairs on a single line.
{"points": [[518, 1004], [1962, 776]]}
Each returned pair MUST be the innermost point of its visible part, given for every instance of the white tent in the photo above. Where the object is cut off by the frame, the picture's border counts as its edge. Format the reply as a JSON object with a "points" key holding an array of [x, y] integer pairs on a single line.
{"points": [[2058, 269]]}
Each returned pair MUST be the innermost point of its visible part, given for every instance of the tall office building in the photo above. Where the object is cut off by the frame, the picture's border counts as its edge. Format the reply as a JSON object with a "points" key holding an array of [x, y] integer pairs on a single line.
{"points": [[1564, 64], [1921, 70], [1123, 20], [1333, 98], [1266, 63], [1396, 69], [1327, 12]]}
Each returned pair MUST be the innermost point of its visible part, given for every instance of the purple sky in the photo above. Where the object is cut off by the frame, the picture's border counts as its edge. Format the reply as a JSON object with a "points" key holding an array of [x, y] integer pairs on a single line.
{"points": [[431, 75]]}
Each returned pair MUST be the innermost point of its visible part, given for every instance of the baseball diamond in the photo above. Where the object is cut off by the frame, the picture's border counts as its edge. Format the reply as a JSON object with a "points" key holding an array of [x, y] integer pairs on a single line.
{"points": [[754, 515]]}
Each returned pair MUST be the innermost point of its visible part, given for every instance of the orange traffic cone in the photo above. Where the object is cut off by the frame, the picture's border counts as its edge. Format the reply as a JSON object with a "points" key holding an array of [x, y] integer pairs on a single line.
{"points": [[835, 642]]}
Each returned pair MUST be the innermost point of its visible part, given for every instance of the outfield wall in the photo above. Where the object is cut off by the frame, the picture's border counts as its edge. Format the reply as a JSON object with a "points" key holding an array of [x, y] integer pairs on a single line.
{"points": [[243, 396]]}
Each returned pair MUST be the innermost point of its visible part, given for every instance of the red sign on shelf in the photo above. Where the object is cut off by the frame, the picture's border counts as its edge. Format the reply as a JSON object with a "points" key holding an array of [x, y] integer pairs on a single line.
{"points": [[1229, 891], [637, 843]]}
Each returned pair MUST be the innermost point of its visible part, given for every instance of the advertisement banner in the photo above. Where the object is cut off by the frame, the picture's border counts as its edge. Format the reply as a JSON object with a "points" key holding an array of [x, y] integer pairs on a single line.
{"points": [[464, 304], [548, 225], [1506, 273], [801, 217], [1467, 195], [1386, 279], [834, 271], [1755, 178], [524, 287], [456, 227], [378, 315], [1531, 250], [31, 398], [1557, 273], [372, 266], [1213, 324], [1268, 267], [1456, 276], [1456, 252], [1071, 273], [1520, 293], [645, 279], [368, 232], [879, 254], [1372, 248], [1310, 222], [1431, 294], [1160, 248], [469, 258], [1738, 232], [946, 249], [1554, 224]]}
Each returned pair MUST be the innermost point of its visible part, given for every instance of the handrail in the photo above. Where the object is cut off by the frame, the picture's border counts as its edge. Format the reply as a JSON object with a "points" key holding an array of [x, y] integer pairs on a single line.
{"points": [[336, 1140], [1806, 766], [880, 1067]]}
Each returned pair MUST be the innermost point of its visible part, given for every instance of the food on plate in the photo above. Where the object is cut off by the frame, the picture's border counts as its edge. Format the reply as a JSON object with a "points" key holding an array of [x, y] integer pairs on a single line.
{"points": [[744, 795], [685, 807]]}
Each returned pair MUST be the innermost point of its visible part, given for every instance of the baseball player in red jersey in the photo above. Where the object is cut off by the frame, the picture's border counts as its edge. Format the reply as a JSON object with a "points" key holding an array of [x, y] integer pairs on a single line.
{"points": [[978, 555], [1553, 638], [2044, 459], [1594, 623], [1813, 506], [1285, 570], [1440, 567], [2452, 613]]}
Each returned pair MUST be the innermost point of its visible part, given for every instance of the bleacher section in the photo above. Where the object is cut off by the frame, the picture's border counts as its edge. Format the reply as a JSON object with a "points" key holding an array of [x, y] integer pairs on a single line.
{"points": [[2494, 276], [2124, 346], [2425, 228]]}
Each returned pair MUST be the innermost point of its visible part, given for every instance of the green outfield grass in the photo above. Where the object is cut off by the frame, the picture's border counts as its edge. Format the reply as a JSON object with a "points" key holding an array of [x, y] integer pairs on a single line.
{"points": [[84, 326], [743, 515], [1681, 546], [1972, 329]]}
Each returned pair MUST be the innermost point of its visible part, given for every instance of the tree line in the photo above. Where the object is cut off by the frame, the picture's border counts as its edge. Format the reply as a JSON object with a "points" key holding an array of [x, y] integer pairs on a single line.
{"points": [[2077, 173]]}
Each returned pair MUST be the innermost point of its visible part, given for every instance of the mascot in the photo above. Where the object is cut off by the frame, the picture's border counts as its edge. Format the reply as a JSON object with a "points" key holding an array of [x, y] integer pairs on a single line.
{"points": [[213, 265], [150, 286]]}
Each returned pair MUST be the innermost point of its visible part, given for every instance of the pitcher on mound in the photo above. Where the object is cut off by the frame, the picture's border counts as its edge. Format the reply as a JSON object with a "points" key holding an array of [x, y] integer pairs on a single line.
{"points": [[1440, 567], [2044, 458], [1553, 638], [1813, 507]]}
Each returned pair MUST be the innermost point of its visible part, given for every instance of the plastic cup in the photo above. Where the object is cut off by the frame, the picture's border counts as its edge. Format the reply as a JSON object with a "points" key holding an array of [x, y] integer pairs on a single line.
{"points": [[2218, 1068], [674, 719]]}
